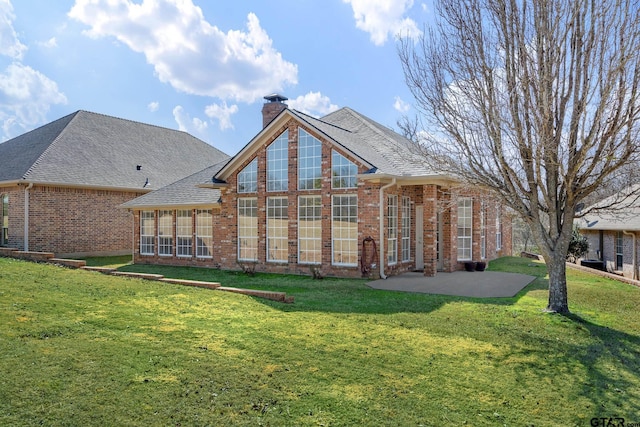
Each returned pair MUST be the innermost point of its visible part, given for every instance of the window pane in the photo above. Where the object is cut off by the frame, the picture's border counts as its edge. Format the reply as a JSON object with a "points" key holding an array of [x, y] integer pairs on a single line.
{"points": [[464, 229], [4, 237], [406, 229], [309, 161], [344, 230], [248, 178], [343, 171], [184, 233], [277, 229], [248, 229], [278, 163], [309, 230], [147, 227], [165, 233], [392, 229], [204, 233]]}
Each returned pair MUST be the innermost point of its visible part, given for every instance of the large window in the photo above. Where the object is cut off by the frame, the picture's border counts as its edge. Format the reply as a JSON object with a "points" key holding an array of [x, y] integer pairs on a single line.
{"points": [[278, 163], [165, 233], [248, 229], [204, 233], [248, 178], [344, 230], [343, 171], [465, 221], [277, 229], [498, 229], [4, 221], [147, 230], [309, 161], [392, 229], [619, 250], [309, 230], [184, 234], [406, 229]]}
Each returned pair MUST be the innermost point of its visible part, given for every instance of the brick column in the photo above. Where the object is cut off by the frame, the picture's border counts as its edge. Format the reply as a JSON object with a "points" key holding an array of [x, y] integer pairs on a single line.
{"points": [[430, 227]]}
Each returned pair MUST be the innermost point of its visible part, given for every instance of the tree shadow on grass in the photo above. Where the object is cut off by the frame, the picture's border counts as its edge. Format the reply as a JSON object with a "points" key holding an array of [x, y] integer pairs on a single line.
{"points": [[605, 361]]}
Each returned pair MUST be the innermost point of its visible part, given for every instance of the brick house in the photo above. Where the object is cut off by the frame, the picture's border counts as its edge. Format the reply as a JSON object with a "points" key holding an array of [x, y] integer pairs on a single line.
{"points": [[613, 235], [61, 184], [341, 194]]}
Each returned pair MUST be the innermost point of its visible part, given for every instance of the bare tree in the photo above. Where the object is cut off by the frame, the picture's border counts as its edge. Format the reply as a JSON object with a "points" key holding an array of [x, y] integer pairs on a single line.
{"points": [[537, 100]]}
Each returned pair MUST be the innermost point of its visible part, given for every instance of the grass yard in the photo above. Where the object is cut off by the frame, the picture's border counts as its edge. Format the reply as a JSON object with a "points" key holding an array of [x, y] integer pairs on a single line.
{"points": [[81, 348]]}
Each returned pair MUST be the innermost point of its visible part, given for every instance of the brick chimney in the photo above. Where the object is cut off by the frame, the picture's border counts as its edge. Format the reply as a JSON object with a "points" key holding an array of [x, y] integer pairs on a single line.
{"points": [[272, 108]]}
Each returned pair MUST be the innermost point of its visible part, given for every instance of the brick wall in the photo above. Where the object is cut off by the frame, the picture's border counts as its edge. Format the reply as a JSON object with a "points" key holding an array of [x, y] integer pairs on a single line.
{"points": [[76, 221]]}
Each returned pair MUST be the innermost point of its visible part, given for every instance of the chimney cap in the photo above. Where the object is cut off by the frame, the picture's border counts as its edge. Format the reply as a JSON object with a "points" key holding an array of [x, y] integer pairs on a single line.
{"points": [[274, 97]]}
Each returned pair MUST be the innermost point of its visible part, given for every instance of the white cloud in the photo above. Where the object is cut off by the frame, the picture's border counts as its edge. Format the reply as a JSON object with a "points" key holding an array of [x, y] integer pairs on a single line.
{"points": [[222, 113], [381, 18], [26, 97], [194, 126], [9, 44], [313, 103], [400, 105], [52, 42], [153, 106], [187, 51]]}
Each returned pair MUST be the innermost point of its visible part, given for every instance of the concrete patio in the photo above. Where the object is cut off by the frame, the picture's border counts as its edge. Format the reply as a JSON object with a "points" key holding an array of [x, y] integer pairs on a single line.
{"points": [[478, 284]]}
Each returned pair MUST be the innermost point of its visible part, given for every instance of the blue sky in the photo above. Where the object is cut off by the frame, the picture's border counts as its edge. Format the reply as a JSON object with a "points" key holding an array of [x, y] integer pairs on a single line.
{"points": [[202, 66]]}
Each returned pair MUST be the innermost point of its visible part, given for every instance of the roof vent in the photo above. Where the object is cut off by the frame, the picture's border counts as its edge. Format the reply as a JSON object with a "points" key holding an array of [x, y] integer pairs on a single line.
{"points": [[272, 108]]}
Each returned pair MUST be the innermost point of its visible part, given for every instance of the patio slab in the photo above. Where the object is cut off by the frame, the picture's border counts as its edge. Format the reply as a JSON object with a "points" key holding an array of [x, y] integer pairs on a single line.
{"points": [[477, 284]]}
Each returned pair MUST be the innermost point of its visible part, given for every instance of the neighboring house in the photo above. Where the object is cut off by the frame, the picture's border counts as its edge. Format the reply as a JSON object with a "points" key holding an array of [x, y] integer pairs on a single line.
{"points": [[61, 184], [613, 235], [340, 194]]}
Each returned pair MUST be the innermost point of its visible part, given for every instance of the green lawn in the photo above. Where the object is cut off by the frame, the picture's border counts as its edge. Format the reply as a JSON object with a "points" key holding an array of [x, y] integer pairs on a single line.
{"points": [[81, 348]]}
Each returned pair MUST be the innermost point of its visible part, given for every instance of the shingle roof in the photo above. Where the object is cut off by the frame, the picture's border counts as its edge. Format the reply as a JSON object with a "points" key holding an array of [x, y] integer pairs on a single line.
{"points": [[386, 150], [184, 192], [625, 217], [95, 150]]}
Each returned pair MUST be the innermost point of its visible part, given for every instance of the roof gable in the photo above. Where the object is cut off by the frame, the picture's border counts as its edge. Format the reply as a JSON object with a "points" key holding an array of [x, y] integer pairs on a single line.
{"points": [[95, 150]]}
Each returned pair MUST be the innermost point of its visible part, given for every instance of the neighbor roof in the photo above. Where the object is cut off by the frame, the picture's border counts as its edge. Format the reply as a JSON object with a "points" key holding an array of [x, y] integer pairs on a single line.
{"points": [[94, 150], [182, 193], [383, 150], [626, 216]]}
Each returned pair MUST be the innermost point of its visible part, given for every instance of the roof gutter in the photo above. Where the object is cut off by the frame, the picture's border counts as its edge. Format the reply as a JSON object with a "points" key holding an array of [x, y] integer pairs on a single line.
{"points": [[380, 257], [26, 216], [635, 254]]}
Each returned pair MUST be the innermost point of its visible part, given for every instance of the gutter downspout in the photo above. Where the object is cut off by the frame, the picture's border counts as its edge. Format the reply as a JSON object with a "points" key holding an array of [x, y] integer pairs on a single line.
{"points": [[635, 254], [381, 256], [26, 216]]}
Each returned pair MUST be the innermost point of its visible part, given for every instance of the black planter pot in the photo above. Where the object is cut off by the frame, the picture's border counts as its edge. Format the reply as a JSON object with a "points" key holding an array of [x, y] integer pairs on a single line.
{"points": [[470, 266], [480, 266]]}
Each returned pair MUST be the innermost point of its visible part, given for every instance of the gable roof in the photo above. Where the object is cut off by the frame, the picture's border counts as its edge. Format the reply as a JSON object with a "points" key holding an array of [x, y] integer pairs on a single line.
{"points": [[184, 193], [384, 151], [87, 149], [624, 217]]}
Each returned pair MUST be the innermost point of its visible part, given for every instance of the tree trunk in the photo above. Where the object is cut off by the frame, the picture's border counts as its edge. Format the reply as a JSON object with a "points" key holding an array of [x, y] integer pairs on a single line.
{"points": [[556, 266]]}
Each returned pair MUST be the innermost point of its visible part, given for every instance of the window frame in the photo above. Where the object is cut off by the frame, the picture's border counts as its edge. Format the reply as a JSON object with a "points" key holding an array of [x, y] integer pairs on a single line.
{"points": [[309, 152], [248, 176], [201, 229], [406, 229], [465, 240], [165, 241], [619, 250], [4, 219], [340, 239], [277, 234], [339, 164], [314, 229], [147, 240], [483, 230], [392, 229], [184, 242], [277, 156], [242, 235], [498, 228]]}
